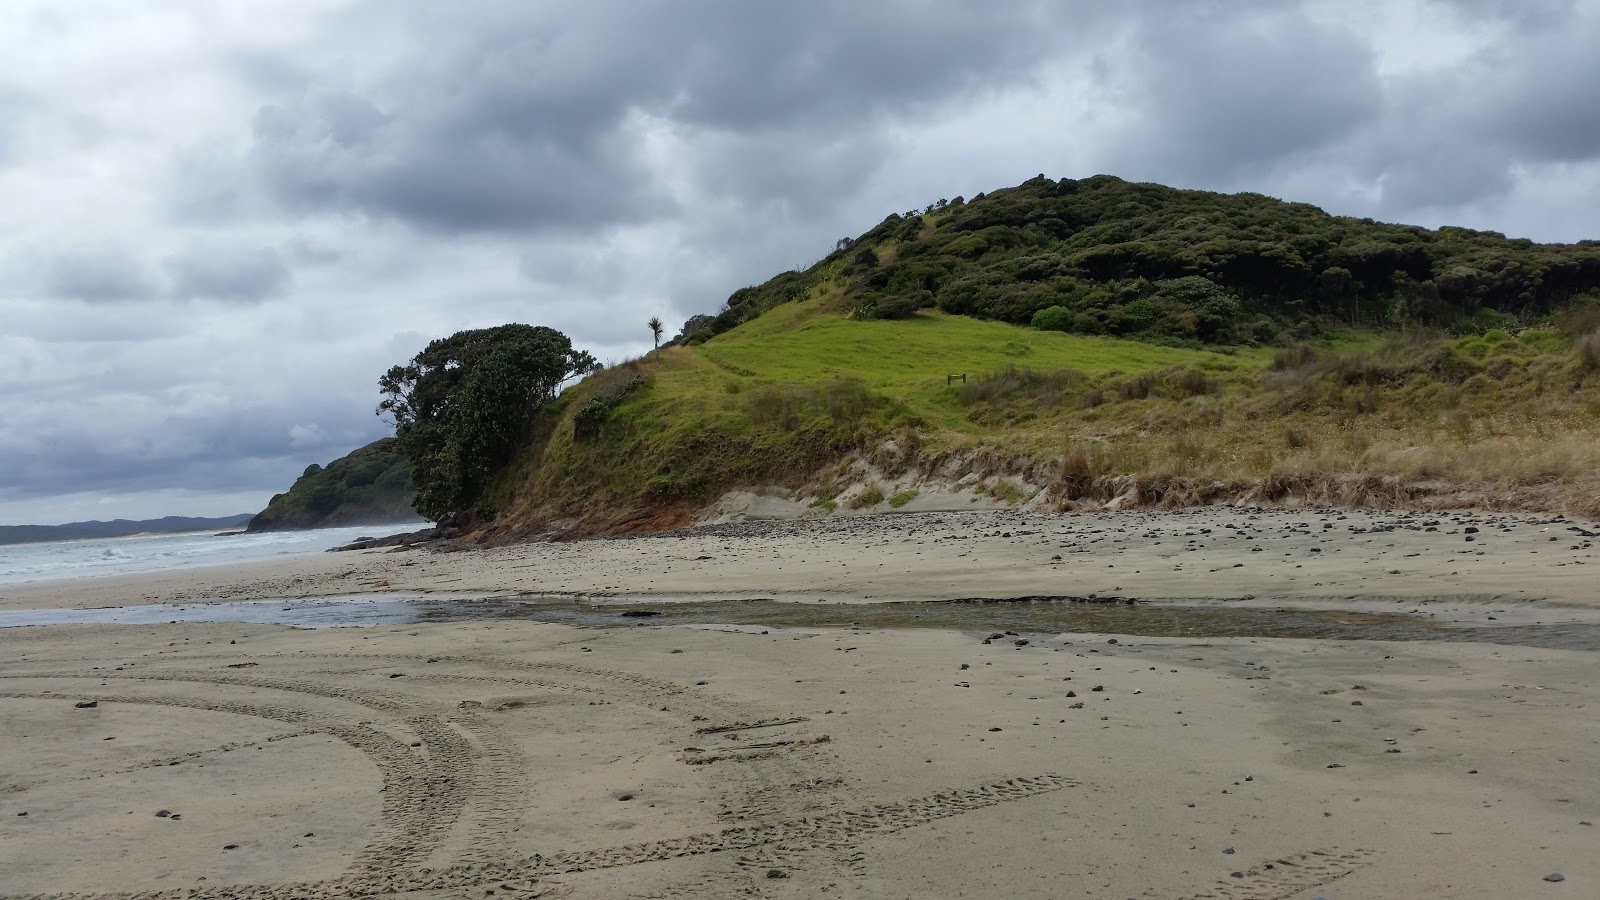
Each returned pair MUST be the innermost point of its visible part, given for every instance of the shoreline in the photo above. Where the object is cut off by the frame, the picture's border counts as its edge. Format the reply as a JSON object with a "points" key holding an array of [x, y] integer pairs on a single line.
{"points": [[648, 759], [1269, 557]]}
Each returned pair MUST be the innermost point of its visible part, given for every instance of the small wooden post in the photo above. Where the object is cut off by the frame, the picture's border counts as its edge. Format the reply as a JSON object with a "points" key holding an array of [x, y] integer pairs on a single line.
{"points": [[948, 379]]}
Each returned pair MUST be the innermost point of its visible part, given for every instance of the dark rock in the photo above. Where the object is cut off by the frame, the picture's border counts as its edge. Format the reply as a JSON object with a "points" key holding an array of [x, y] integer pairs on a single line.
{"points": [[624, 796], [777, 873], [86, 704], [163, 813], [230, 846], [994, 729], [641, 613], [1555, 877]]}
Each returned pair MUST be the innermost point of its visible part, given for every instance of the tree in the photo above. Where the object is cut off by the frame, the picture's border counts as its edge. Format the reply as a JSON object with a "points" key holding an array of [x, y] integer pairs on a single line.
{"points": [[655, 333], [460, 406]]}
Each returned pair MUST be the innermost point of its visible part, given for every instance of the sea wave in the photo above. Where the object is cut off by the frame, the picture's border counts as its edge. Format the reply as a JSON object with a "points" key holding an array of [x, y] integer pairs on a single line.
{"points": [[23, 563]]}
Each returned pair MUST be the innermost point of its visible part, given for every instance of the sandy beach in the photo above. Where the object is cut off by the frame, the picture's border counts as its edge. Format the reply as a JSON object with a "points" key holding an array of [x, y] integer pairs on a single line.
{"points": [[527, 759]]}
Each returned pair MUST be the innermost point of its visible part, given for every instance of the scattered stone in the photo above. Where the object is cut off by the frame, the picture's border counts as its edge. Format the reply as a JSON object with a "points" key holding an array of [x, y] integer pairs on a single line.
{"points": [[624, 796], [230, 846], [777, 873], [994, 729], [1555, 877], [86, 704], [163, 813]]}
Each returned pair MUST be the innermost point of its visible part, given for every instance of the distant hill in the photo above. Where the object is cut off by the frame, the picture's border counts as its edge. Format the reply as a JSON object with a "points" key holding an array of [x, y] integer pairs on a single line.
{"points": [[369, 486], [32, 534]]}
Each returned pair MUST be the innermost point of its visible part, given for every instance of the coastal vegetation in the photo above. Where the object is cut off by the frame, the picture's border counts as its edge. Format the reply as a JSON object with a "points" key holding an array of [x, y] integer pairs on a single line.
{"points": [[461, 406], [371, 485], [1071, 342], [1106, 256]]}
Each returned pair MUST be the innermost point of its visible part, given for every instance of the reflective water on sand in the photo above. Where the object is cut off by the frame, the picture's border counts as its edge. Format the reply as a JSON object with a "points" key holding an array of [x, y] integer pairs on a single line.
{"points": [[1027, 616]]}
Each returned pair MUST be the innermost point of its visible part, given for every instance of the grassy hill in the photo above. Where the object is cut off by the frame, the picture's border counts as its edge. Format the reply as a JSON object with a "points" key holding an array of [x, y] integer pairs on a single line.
{"points": [[368, 486], [1124, 344], [834, 412]]}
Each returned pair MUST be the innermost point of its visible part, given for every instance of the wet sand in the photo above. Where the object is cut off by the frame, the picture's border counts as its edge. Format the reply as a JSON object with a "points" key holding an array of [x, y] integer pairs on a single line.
{"points": [[532, 759]]}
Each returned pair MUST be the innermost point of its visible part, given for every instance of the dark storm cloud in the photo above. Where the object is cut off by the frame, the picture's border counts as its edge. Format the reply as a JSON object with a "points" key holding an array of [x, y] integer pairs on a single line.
{"points": [[1540, 93], [96, 274], [1261, 89], [525, 116], [59, 444], [243, 274]]}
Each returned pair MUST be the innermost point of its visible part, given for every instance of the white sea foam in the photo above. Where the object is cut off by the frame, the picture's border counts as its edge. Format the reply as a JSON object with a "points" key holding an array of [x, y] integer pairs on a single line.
{"points": [[122, 556]]}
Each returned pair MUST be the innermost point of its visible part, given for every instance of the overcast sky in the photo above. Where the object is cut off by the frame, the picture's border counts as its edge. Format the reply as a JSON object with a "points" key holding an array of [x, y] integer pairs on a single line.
{"points": [[221, 221]]}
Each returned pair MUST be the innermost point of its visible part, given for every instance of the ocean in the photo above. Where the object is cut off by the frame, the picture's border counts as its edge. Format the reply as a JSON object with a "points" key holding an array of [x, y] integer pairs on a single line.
{"points": [[21, 563]]}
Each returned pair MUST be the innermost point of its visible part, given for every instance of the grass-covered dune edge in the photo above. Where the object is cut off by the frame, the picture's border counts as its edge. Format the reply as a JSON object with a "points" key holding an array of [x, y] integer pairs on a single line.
{"points": [[824, 413]]}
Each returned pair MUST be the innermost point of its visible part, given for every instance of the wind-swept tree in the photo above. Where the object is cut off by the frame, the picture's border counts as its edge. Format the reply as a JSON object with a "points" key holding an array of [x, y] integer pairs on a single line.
{"points": [[655, 333], [460, 406]]}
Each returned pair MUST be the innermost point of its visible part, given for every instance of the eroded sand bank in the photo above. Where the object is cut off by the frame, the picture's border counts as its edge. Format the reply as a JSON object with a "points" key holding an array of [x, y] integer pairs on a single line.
{"points": [[542, 760]]}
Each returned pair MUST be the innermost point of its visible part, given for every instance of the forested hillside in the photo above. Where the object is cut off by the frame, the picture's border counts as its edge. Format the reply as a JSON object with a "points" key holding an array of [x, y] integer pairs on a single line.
{"points": [[1106, 256], [370, 485]]}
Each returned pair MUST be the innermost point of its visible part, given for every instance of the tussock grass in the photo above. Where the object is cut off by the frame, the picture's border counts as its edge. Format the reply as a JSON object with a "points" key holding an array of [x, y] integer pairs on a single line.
{"points": [[901, 498], [868, 498]]}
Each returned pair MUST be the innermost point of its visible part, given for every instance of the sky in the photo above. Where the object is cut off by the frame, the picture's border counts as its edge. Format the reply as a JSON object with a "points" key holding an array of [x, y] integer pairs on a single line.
{"points": [[220, 222]]}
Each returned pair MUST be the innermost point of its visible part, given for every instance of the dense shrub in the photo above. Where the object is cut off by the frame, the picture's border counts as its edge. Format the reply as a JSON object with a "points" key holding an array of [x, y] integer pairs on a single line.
{"points": [[1187, 266], [1054, 318]]}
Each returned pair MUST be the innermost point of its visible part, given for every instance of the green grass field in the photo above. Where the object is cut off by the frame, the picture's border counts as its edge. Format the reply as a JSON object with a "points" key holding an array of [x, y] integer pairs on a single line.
{"points": [[908, 360]]}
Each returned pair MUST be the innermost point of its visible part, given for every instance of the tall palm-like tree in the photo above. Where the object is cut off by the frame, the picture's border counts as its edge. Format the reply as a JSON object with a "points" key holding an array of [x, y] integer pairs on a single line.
{"points": [[655, 333]]}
